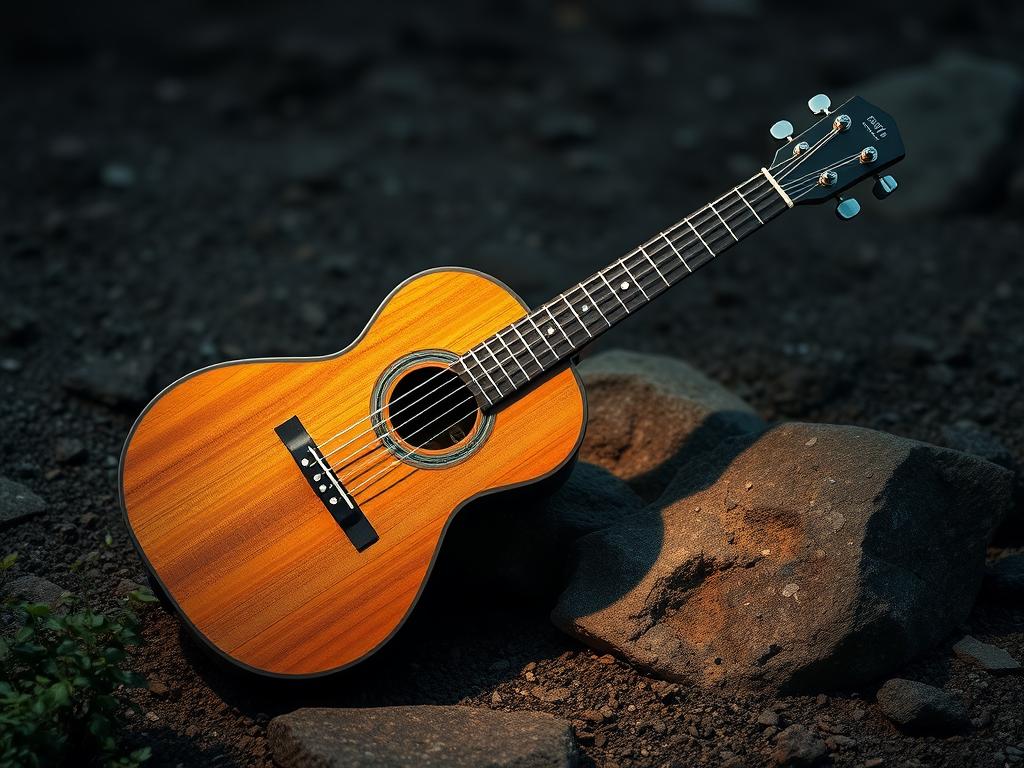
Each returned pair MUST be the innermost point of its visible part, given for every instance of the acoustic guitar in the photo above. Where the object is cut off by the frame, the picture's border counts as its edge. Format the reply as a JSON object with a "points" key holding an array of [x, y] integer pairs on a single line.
{"points": [[291, 509]]}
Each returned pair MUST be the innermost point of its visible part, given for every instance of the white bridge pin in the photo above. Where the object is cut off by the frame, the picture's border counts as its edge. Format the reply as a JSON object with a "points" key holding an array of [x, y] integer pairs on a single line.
{"points": [[333, 499], [305, 462], [323, 487], [317, 476]]}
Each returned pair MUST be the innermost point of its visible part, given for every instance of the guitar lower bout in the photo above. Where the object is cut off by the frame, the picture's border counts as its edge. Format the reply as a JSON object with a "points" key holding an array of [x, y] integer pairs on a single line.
{"points": [[292, 508]]}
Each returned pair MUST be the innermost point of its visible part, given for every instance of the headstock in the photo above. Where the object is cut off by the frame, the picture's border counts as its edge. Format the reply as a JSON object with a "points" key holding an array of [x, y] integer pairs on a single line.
{"points": [[849, 144]]}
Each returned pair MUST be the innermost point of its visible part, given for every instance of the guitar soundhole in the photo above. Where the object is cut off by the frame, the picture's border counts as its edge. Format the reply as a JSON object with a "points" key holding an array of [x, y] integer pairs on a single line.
{"points": [[430, 408]]}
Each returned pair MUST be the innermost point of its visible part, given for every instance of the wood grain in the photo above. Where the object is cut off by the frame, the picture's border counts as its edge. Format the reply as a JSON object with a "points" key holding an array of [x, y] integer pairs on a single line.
{"points": [[239, 540]]}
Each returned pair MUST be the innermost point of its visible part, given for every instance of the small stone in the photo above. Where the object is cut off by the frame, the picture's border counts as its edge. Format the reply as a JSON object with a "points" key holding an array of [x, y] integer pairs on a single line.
{"points": [[17, 502], [921, 709], [89, 520], [798, 747], [768, 718], [10, 365], [987, 657], [158, 687], [790, 589], [69, 450], [114, 382], [34, 589]]}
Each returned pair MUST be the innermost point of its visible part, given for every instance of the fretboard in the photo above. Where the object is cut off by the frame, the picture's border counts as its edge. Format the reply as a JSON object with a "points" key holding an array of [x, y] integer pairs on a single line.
{"points": [[549, 336]]}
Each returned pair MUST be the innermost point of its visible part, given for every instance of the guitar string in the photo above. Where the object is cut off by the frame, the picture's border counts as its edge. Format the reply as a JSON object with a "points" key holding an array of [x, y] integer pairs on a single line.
{"points": [[561, 313], [605, 304], [380, 473], [400, 459], [795, 162], [498, 365]]}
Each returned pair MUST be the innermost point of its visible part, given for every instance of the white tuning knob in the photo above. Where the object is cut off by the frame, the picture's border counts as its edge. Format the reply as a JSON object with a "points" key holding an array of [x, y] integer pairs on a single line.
{"points": [[782, 130], [819, 104]]}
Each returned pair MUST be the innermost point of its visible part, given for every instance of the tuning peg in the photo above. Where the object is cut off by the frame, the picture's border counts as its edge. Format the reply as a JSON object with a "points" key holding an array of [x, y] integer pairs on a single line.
{"points": [[819, 104], [848, 208], [884, 186], [782, 130]]}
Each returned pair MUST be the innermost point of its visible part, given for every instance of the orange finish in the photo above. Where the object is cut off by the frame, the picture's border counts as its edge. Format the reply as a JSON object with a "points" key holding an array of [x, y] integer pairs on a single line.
{"points": [[241, 543]]}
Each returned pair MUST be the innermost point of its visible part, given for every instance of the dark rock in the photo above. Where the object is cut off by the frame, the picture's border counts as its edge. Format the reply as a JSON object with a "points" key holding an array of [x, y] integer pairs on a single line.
{"points": [[118, 175], [17, 502], [969, 437], [69, 450], [1005, 576], [114, 382], [921, 709], [420, 735], [912, 349], [988, 657], [968, 96], [34, 589], [649, 414], [798, 747], [818, 557]]}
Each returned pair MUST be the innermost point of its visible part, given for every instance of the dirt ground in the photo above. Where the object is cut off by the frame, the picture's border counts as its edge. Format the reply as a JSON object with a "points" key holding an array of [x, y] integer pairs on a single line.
{"points": [[225, 180]]}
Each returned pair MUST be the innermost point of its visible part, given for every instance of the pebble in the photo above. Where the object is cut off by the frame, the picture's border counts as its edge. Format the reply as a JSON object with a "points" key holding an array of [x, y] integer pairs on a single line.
{"points": [[118, 175], [797, 747], [988, 657]]}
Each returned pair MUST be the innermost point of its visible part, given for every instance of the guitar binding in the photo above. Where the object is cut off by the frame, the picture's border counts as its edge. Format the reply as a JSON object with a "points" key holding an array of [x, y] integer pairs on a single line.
{"points": [[325, 484]]}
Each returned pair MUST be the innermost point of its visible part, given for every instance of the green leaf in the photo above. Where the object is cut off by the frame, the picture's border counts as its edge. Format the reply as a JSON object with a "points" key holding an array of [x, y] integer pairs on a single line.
{"points": [[23, 634], [8, 561], [143, 595], [60, 693]]}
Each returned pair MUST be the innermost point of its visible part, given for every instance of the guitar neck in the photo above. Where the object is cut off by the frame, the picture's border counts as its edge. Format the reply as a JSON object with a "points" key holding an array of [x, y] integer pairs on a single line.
{"points": [[550, 335]]}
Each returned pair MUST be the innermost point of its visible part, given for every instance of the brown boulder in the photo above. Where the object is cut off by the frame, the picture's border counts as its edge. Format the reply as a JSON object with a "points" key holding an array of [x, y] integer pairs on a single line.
{"points": [[817, 557], [649, 414]]}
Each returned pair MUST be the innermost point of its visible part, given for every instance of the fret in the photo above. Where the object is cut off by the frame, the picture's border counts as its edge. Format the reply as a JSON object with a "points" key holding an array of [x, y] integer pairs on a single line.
{"points": [[542, 336], [744, 199], [465, 369], [497, 362], [601, 275], [687, 220], [637, 284], [557, 325], [676, 251], [594, 304], [528, 348], [486, 373], [580, 319], [712, 207], [647, 256], [512, 355]]}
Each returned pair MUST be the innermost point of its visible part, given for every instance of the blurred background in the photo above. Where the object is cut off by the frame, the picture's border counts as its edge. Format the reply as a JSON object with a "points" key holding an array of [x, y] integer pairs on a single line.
{"points": [[191, 182]]}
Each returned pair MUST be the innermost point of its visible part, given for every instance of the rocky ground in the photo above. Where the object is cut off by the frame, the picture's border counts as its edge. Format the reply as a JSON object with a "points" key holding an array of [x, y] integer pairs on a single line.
{"points": [[185, 187]]}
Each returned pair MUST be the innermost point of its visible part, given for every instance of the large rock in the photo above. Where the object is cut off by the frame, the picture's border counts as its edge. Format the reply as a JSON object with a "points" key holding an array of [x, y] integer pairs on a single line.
{"points": [[955, 115], [649, 414], [919, 708], [113, 381], [423, 736], [818, 557], [34, 589], [17, 502], [991, 658]]}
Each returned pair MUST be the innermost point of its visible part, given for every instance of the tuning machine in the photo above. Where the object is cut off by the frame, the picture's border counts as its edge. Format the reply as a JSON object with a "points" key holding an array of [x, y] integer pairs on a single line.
{"points": [[847, 208], [884, 186], [782, 131], [819, 104]]}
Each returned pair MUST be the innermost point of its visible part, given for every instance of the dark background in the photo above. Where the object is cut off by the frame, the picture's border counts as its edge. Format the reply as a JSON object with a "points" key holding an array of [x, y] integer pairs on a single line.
{"points": [[187, 183]]}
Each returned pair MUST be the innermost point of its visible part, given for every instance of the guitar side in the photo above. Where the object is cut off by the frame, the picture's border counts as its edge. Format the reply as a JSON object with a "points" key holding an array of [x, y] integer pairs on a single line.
{"points": [[245, 549]]}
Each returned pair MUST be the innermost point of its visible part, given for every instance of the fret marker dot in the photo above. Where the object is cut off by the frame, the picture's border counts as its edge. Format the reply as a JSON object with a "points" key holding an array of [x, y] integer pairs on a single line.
{"points": [[584, 307], [551, 331], [624, 285]]}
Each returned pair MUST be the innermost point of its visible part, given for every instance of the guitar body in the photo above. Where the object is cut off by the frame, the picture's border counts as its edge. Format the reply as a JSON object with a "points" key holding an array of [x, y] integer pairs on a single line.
{"points": [[245, 548]]}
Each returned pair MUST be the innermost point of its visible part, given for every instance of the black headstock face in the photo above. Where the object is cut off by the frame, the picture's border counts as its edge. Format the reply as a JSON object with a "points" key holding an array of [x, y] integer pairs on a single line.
{"points": [[853, 142]]}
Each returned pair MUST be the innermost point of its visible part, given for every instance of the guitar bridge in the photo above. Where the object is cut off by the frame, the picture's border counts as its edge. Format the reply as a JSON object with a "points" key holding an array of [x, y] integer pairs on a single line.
{"points": [[325, 483]]}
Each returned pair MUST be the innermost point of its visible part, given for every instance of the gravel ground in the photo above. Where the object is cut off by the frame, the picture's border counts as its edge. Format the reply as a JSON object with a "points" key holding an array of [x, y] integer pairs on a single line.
{"points": [[180, 188]]}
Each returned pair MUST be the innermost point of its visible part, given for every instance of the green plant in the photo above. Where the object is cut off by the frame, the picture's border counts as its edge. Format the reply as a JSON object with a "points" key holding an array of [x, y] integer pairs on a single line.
{"points": [[62, 680]]}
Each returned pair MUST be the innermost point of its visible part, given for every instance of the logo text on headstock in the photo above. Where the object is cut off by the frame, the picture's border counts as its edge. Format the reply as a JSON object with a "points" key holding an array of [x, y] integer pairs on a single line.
{"points": [[874, 126]]}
